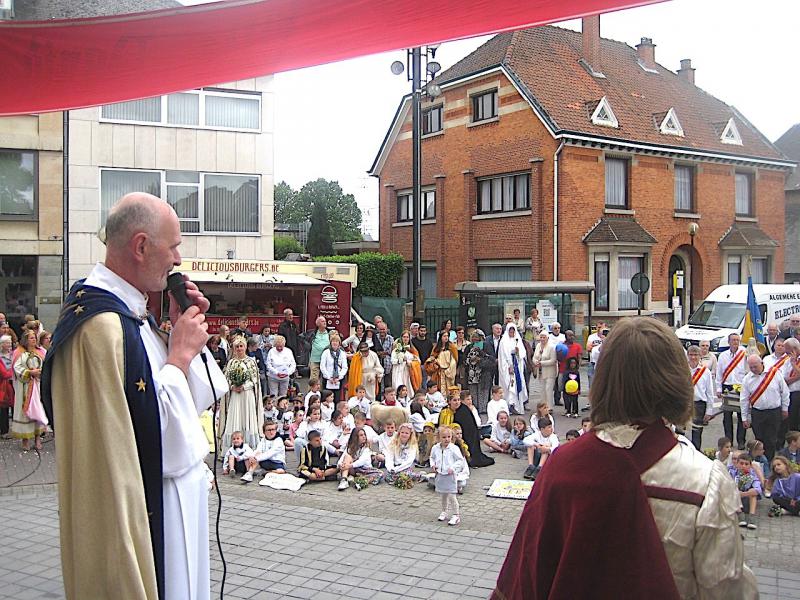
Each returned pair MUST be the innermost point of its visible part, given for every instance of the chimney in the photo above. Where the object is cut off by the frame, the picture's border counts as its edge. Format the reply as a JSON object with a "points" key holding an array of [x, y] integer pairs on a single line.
{"points": [[590, 28], [687, 71], [646, 50]]}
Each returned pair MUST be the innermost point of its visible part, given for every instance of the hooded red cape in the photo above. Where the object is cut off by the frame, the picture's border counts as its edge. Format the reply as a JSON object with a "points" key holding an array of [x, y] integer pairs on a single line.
{"points": [[587, 530]]}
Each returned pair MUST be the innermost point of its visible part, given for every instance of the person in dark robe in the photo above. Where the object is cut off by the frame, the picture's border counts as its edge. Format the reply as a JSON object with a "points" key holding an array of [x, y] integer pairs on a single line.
{"points": [[591, 527], [464, 417]]}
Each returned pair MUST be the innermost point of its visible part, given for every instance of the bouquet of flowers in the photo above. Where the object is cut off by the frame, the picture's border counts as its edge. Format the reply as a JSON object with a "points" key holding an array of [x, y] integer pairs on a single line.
{"points": [[744, 481], [238, 374], [710, 453], [360, 482], [404, 481]]}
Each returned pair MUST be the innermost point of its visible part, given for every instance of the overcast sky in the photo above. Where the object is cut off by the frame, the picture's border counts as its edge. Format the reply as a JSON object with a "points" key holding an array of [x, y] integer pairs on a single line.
{"points": [[330, 120]]}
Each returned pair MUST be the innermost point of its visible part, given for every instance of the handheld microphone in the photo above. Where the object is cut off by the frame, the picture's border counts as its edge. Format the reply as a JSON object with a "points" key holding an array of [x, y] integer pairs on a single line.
{"points": [[177, 286]]}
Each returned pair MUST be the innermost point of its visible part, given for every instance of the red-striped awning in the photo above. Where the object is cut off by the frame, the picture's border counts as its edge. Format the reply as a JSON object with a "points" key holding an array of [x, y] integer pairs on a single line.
{"points": [[57, 65]]}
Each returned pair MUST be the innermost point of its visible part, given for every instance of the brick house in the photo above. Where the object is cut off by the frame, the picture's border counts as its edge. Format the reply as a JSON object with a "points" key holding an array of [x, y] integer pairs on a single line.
{"points": [[789, 144], [639, 154]]}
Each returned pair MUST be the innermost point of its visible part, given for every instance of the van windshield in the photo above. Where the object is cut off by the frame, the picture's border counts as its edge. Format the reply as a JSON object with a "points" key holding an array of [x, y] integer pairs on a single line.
{"points": [[726, 315]]}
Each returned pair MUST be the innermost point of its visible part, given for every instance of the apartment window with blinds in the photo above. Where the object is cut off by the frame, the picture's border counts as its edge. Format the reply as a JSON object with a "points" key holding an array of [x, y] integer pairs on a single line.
{"points": [[504, 272], [759, 269], [505, 193], [744, 195], [18, 185], [616, 183], [684, 188], [428, 282], [628, 267], [405, 206], [734, 270], [484, 106], [206, 203], [432, 120], [601, 281], [202, 109]]}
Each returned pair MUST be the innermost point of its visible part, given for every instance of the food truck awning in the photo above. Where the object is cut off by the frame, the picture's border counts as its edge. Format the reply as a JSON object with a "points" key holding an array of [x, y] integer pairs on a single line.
{"points": [[273, 278]]}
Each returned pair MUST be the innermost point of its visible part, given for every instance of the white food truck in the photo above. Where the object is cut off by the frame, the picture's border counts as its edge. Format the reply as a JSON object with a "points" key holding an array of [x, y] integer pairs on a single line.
{"points": [[722, 313]]}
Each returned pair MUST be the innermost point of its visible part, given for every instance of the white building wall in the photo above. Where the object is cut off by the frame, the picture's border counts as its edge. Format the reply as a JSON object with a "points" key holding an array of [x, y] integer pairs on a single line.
{"points": [[94, 145]]}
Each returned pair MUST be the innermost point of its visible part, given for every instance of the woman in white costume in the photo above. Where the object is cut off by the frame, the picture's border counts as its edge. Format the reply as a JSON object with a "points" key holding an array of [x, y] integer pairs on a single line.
{"points": [[511, 357]]}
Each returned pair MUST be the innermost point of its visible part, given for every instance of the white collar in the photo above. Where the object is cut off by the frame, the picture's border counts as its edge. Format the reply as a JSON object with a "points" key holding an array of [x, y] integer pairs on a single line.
{"points": [[104, 278]]}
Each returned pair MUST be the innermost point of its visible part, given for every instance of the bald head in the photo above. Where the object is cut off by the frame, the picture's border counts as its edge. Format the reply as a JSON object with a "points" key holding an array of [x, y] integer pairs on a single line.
{"points": [[755, 364], [134, 213], [142, 238], [792, 346]]}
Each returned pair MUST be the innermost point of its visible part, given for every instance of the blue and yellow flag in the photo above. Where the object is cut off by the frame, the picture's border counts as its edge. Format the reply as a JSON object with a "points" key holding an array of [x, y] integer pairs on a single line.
{"points": [[753, 327]]}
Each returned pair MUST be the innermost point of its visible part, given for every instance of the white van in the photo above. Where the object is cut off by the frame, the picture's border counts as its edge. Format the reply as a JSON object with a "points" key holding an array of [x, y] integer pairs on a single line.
{"points": [[722, 313]]}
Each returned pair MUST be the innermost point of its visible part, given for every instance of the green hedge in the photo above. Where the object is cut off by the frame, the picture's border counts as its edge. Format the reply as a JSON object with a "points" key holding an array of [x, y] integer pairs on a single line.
{"points": [[378, 274]]}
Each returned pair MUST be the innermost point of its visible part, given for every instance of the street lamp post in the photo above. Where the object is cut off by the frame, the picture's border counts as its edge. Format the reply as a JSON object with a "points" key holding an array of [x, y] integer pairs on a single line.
{"points": [[413, 67], [693, 228]]}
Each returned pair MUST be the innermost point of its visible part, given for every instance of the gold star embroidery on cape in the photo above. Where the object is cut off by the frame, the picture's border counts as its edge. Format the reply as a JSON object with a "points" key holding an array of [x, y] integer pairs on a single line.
{"points": [[141, 385], [80, 293], [78, 309]]}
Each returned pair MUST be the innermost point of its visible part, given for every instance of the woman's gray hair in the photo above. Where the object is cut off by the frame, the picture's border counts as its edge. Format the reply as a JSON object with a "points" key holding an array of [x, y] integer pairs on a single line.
{"points": [[5, 338]]}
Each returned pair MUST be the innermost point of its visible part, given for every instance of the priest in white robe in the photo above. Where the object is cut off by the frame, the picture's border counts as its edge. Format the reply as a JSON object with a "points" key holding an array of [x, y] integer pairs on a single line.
{"points": [[107, 548]]}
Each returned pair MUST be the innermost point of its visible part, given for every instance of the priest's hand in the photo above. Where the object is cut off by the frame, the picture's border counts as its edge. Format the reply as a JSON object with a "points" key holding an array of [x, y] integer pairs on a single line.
{"points": [[188, 337]]}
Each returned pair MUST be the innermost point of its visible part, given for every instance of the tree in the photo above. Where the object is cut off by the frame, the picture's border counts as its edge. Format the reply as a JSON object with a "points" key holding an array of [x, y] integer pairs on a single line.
{"points": [[319, 236], [284, 245], [343, 212], [284, 198]]}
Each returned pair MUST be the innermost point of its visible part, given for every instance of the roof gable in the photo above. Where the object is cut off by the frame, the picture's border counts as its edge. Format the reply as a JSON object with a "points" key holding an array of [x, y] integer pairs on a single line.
{"points": [[603, 115], [670, 125]]}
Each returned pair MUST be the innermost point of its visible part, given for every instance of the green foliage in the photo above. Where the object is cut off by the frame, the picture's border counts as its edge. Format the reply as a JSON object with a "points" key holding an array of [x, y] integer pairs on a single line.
{"points": [[284, 198], [319, 236], [378, 274], [284, 245], [343, 212]]}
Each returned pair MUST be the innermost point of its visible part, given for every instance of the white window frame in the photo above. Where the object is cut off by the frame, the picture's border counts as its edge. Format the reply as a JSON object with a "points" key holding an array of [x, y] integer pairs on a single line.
{"points": [[730, 135], [424, 191], [203, 94], [671, 125], [734, 259], [613, 252], [200, 197], [610, 121]]}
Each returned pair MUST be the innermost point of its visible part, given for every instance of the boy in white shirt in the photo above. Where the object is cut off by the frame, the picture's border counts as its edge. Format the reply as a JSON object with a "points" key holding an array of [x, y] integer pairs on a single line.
{"points": [[270, 410], [434, 399], [235, 459], [495, 405], [360, 401], [270, 454], [327, 406], [540, 445], [383, 440], [372, 435], [313, 390]]}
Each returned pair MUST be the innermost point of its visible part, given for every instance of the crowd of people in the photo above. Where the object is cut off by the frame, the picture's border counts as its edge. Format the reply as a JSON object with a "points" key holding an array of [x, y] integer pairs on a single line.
{"points": [[22, 352]]}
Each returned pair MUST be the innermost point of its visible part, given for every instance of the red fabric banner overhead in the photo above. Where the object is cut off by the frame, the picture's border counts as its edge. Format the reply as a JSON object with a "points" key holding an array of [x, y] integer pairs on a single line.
{"points": [[57, 65]]}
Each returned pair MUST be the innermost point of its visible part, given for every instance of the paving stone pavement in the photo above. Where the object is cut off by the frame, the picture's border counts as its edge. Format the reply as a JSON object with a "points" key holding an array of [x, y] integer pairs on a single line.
{"points": [[379, 543]]}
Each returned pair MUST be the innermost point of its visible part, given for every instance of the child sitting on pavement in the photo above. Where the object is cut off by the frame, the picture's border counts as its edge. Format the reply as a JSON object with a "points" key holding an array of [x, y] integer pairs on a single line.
{"points": [[749, 489], [495, 405], [425, 443], [540, 445], [792, 450], [401, 454], [389, 428], [500, 440], [542, 412], [314, 461], [785, 486], [519, 432], [235, 459], [723, 455], [326, 406], [357, 460], [434, 399], [270, 454], [372, 435], [313, 390], [270, 410], [359, 402], [336, 434]]}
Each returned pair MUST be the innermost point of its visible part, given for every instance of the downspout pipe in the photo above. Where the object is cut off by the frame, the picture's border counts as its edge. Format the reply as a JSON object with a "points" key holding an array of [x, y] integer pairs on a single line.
{"points": [[65, 207], [555, 209]]}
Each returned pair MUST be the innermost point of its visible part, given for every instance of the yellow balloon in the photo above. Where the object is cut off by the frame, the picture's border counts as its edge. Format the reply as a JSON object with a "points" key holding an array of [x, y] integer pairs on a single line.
{"points": [[571, 387]]}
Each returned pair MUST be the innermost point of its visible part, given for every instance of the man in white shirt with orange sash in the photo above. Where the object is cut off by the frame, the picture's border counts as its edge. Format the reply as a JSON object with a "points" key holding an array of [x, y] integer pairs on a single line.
{"points": [[791, 374], [731, 369], [764, 402], [703, 394]]}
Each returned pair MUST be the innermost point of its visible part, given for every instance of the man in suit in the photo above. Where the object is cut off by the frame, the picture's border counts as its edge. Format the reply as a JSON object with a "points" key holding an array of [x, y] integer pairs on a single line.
{"points": [[772, 335], [492, 345]]}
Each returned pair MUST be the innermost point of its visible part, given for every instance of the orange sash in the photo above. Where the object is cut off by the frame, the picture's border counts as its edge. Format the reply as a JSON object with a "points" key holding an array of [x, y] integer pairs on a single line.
{"points": [[698, 374], [762, 387], [734, 363], [782, 361]]}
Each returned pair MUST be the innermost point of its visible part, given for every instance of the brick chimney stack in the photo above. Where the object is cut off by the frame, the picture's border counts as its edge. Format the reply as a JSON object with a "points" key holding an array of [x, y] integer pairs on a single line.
{"points": [[687, 71], [590, 28], [646, 50]]}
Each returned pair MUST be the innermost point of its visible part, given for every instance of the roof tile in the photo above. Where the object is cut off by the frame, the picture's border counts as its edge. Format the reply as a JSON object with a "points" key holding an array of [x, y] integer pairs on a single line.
{"points": [[612, 230], [746, 235]]}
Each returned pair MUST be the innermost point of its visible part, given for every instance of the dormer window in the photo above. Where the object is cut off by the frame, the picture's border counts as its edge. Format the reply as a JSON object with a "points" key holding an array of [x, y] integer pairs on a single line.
{"points": [[603, 115], [670, 124], [730, 135]]}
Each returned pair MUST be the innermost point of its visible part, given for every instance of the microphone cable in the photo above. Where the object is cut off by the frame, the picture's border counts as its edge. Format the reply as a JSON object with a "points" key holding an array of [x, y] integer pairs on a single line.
{"points": [[204, 358]]}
